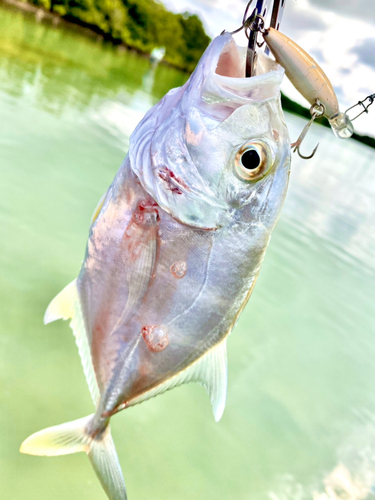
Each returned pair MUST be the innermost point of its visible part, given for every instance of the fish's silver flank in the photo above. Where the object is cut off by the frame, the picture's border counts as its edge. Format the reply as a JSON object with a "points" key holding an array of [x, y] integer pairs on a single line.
{"points": [[175, 248]]}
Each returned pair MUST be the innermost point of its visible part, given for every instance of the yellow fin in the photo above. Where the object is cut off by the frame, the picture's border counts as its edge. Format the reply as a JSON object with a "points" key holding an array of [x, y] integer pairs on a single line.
{"points": [[62, 306], [59, 440], [74, 437]]}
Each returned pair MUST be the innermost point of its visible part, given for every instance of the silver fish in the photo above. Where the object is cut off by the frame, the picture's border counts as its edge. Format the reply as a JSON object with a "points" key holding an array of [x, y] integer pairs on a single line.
{"points": [[175, 248]]}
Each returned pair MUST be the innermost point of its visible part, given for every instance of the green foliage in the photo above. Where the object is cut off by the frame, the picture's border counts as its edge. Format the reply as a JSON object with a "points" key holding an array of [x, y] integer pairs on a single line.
{"points": [[140, 24], [195, 39], [44, 4]]}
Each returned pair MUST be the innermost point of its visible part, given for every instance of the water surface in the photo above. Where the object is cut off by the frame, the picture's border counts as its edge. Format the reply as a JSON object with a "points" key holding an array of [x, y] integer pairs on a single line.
{"points": [[300, 417]]}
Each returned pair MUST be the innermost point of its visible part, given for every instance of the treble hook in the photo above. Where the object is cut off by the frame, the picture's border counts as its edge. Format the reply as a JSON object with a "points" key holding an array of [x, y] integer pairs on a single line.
{"points": [[278, 6], [316, 111], [245, 19], [252, 25], [254, 22]]}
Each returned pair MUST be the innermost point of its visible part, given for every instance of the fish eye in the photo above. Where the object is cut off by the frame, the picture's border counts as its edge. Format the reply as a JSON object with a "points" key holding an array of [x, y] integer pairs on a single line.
{"points": [[253, 161], [250, 159]]}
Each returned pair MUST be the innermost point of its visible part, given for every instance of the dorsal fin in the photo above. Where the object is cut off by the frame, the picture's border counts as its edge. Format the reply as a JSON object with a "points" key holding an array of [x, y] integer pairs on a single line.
{"points": [[67, 305], [210, 370]]}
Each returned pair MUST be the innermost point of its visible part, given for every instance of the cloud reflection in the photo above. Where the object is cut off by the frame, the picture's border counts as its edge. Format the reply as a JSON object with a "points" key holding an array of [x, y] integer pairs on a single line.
{"points": [[351, 478]]}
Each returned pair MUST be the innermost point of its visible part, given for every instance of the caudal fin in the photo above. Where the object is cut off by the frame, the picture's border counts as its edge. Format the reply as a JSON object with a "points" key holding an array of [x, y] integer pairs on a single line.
{"points": [[73, 437]]}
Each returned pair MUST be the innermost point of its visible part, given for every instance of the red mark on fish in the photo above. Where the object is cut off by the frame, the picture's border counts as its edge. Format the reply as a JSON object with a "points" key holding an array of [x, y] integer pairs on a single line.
{"points": [[147, 205], [171, 181], [141, 232], [155, 337], [144, 215], [178, 269]]}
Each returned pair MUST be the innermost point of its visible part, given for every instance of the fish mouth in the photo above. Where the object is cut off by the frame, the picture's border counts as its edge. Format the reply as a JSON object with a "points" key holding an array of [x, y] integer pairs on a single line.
{"points": [[225, 75], [231, 62]]}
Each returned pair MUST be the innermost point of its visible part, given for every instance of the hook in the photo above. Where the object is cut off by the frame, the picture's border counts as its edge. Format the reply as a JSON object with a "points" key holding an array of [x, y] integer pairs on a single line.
{"points": [[316, 111], [254, 22], [297, 146], [251, 25], [243, 20]]}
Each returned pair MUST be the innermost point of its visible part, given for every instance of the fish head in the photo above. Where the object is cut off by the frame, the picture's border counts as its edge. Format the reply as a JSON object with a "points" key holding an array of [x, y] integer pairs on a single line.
{"points": [[219, 144]]}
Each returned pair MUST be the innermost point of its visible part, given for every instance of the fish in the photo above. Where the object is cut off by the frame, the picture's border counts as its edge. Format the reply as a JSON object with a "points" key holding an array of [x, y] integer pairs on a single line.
{"points": [[174, 249]]}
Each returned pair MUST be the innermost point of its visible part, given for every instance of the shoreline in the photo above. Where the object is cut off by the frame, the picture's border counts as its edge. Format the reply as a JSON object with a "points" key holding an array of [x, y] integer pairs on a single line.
{"points": [[54, 19], [41, 15]]}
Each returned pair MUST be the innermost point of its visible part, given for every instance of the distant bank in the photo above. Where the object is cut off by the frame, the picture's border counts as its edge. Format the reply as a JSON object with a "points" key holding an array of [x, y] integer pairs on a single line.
{"points": [[142, 25]]}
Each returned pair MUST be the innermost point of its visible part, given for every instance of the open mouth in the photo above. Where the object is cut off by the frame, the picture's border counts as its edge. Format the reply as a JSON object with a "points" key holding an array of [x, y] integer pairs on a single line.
{"points": [[226, 80], [232, 61]]}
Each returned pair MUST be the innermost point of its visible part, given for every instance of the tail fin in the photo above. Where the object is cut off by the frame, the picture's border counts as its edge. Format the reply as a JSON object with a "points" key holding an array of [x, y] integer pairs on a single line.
{"points": [[73, 437]]}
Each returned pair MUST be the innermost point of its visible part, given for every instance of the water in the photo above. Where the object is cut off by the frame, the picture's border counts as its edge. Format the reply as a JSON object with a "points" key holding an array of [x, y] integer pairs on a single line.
{"points": [[300, 418]]}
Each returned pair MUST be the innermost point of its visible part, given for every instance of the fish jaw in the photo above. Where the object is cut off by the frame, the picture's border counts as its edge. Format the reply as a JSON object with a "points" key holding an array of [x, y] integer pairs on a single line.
{"points": [[183, 150]]}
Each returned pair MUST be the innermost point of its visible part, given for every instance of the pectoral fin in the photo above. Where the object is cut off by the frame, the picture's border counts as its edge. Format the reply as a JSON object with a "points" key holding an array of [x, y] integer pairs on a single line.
{"points": [[119, 265], [210, 371], [138, 250]]}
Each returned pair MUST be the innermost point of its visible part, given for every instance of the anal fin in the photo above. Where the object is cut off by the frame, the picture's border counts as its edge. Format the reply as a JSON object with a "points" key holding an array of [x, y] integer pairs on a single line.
{"points": [[67, 305], [210, 370]]}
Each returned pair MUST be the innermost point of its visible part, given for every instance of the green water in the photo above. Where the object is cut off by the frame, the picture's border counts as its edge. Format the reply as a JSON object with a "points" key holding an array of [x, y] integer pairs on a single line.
{"points": [[301, 398]]}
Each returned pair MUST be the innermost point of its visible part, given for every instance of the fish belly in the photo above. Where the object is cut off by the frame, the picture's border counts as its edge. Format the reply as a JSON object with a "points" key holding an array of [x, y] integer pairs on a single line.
{"points": [[157, 296]]}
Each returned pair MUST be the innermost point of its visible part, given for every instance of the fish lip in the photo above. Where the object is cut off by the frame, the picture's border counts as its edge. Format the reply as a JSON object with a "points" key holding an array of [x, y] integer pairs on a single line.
{"points": [[269, 72], [230, 62]]}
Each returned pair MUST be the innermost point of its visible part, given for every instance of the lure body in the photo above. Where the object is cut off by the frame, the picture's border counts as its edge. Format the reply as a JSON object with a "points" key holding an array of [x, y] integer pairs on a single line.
{"points": [[309, 79], [303, 71]]}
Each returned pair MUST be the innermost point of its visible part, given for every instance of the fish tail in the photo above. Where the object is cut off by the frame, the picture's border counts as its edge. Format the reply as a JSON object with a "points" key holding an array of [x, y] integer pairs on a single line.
{"points": [[76, 436]]}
